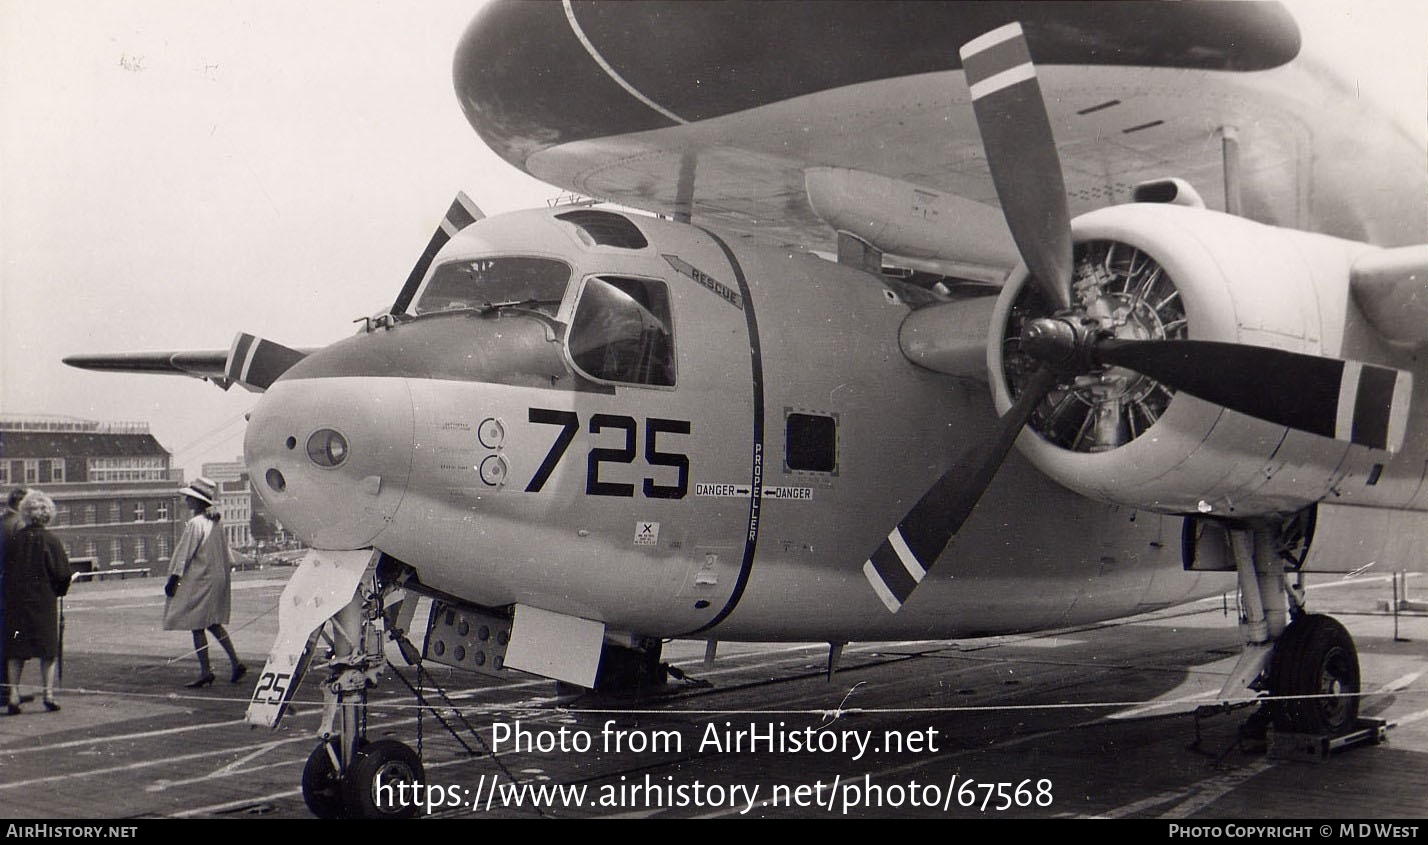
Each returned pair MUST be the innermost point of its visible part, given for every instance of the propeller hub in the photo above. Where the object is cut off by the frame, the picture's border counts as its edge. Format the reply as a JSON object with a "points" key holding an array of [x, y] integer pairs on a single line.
{"points": [[1055, 341]]}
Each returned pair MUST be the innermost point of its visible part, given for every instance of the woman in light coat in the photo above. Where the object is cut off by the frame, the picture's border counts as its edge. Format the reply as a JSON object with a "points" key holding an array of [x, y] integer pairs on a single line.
{"points": [[199, 591]]}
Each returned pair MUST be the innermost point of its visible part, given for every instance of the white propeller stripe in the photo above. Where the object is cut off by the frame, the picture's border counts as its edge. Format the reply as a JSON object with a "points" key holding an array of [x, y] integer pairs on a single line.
{"points": [[889, 600], [1005, 79], [1348, 399], [987, 40], [1398, 414], [904, 554], [248, 360], [232, 367]]}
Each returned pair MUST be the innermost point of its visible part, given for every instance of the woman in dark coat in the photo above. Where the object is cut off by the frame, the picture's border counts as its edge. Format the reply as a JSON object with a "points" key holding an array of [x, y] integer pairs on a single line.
{"points": [[37, 573]]}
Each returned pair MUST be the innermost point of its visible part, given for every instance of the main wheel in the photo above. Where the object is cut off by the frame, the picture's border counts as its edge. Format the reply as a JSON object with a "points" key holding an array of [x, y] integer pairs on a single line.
{"points": [[371, 789], [321, 784], [1315, 656]]}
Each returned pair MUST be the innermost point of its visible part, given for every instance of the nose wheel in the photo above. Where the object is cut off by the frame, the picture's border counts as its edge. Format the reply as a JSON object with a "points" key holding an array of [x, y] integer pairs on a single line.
{"points": [[375, 785], [322, 782], [372, 788]]}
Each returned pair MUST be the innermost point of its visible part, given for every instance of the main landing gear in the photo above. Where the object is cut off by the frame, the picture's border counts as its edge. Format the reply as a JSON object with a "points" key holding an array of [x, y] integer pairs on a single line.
{"points": [[1306, 662], [1315, 658]]}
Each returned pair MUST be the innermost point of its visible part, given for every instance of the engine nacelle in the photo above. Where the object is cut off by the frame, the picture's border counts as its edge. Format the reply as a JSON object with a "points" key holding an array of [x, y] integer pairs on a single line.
{"points": [[1159, 271]]}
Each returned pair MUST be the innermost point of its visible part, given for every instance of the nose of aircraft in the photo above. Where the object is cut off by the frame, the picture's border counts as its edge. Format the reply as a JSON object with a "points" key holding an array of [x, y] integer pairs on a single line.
{"points": [[330, 456]]}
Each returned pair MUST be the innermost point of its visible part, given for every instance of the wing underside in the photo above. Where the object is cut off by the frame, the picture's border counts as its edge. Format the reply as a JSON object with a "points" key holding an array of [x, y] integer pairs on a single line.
{"points": [[647, 111]]}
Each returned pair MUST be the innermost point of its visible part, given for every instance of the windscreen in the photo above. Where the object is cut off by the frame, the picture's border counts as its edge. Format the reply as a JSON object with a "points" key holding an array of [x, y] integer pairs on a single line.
{"points": [[536, 283]]}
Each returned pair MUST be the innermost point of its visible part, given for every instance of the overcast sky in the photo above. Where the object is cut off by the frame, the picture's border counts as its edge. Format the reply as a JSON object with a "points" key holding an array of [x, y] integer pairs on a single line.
{"points": [[177, 172], [172, 173]]}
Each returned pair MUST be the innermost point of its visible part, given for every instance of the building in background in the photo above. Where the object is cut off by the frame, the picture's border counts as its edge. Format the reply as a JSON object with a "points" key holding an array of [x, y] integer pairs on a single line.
{"points": [[115, 490], [235, 501]]}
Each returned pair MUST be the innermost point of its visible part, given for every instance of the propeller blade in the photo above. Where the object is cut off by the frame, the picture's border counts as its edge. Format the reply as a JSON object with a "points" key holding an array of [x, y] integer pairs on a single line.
{"points": [[904, 557], [1361, 403], [1352, 401], [255, 363], [1021, 154], [462, 213]]}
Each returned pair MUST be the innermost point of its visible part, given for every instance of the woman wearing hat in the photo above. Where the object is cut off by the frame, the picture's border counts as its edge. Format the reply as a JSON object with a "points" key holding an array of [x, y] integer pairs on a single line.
{"points": [[198, 589]]}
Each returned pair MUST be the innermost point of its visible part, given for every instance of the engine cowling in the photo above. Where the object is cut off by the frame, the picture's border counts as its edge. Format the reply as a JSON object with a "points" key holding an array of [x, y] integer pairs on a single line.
{"points": [[1145, 271]]}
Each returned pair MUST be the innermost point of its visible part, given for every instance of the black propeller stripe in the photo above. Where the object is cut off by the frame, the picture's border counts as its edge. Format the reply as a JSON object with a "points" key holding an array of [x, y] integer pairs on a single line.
{"points": [[1359, 403], [894, 575], [270, 360], [1373, 406], [458, 216], [238, 355]]}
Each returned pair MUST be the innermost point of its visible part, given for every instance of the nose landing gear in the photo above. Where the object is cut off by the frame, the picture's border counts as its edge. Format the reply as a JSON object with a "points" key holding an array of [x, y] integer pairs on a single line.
{"points": [[346, 775]]}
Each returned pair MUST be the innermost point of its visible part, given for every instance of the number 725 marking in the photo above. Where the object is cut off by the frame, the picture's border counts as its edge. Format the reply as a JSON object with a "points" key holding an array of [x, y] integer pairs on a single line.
{"points": [[569, 422]]}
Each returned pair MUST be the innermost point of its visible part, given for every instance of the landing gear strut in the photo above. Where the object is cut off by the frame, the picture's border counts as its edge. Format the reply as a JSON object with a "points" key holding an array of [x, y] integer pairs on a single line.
{"points": [[1307, 662], [346, 776]]}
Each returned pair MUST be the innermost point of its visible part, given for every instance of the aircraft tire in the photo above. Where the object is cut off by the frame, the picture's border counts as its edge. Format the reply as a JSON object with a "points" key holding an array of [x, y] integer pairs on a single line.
{"points": [[388, 763], [1315, 656], [322, 785]]}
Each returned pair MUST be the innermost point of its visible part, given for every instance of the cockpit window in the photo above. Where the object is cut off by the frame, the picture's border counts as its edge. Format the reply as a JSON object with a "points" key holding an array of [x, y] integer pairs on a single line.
{"points": [[621, 331], [537, 283]]}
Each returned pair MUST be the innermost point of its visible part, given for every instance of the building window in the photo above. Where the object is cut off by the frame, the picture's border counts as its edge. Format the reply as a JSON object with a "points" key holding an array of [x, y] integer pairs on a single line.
{"points": [[139, 550], [91, 548], [32, 471], [57, 471], [163, 547], [114, 512], [5, 473], [161, 511], [90, 514], [127, 469], [116, 552], [61, 514], [138, 511]]}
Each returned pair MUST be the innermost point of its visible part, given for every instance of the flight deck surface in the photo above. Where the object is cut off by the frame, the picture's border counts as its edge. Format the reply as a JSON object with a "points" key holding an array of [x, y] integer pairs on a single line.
{"points": [[1092, 722]]}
